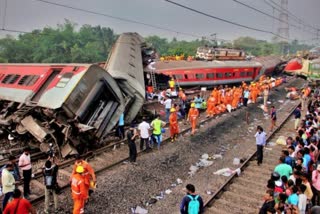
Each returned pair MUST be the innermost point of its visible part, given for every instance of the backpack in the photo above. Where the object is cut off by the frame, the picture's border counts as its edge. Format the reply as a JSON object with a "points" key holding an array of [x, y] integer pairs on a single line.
{"points": [[48, 178], [194, 205]]}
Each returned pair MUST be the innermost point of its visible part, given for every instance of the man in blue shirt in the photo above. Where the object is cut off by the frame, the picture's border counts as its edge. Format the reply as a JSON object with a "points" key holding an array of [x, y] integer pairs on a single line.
{"points": [[288, 160]]}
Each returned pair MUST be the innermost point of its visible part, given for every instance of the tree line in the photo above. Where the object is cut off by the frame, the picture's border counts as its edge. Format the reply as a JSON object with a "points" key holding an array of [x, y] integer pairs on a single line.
{"points": [[67, 44]]}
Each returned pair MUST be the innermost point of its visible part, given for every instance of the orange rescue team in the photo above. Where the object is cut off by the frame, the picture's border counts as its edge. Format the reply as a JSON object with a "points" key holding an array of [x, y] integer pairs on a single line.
{"points": [[82, 178]]}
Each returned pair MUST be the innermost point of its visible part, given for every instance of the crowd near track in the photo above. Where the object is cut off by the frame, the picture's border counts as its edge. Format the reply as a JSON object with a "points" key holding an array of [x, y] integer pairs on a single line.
{"points": [[108, 157], [101, 158], [244, 193]]}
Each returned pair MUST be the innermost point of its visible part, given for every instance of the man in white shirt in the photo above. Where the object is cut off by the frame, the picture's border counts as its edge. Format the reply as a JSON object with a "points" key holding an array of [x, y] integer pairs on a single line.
{"points": [[168, 104], [261, 142], [26, 167], [144, 129]]}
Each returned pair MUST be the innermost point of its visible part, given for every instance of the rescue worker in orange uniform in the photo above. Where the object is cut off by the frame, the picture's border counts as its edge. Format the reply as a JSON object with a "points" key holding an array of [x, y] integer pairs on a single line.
{"points": [[192, 117], [215, 93], [79, 190], [173, 124], [228, 97], [88, 174], [211, 103], [236, 98], [254, 93]]}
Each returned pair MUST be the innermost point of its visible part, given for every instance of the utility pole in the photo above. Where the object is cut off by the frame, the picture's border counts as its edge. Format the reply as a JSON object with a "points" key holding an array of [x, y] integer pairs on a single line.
{"points": [[214, 39], [283, 30]]}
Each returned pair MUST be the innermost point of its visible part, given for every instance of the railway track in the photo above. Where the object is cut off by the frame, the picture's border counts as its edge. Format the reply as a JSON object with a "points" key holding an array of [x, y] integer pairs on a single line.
{"points": [[101, 160], [244, 193]]}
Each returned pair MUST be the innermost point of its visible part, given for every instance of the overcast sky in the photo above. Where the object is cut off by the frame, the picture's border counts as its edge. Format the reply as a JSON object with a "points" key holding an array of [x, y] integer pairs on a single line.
{"points": [[27, 15]]}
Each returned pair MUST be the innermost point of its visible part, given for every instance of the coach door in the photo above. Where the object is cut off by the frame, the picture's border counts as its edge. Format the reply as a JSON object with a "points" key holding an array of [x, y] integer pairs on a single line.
{"points": [[44, 85]]}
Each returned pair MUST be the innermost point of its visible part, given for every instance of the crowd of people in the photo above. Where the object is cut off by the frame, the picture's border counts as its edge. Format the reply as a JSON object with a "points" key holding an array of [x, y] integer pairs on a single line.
{"points": [[294, 186], [82, 181], [220, 100]]}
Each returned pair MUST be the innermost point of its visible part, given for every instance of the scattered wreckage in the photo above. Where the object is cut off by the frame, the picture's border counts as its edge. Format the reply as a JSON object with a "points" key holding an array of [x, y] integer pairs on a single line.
{"points": [[72, 106]]}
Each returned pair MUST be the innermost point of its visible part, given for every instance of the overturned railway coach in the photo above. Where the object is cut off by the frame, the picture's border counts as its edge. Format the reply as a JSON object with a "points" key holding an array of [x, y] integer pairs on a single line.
{"points": [[70, 105]]}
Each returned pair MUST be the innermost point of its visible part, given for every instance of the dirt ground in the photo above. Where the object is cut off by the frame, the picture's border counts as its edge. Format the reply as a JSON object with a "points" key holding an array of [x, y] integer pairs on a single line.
{"points": [[229, 135]]}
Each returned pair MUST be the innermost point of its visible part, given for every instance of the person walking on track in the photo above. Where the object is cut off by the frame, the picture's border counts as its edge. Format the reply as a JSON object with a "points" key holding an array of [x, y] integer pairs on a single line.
{"points": [[79, 190], [260, 142], [193, 117], [157, 126], [88, 174], [273, 115], [173, 123]]}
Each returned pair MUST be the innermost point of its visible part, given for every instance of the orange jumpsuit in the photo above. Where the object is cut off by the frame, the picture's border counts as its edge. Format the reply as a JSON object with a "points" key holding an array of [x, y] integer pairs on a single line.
{"points": [[88, 173], [228, 98], [173, 124], [215, 94], [79, 193], [192, 117], [211, 103], [236, 98], [254, 93]]}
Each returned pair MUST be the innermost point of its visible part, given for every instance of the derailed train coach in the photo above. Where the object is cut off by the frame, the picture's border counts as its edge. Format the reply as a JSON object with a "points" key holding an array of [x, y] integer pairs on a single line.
{"points": [[125, 65], [70, 106]]}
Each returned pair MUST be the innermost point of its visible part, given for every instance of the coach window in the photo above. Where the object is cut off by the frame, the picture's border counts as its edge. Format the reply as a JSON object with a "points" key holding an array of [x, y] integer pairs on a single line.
{"points": [[28, 80], [178, 76], [249, 73], [210, 75], [228, 74], [64, 80], [191, 76], [32, 80], [243, 74], [10, 78], [186, 76], [199, 76], [219, 75], [14, 79]]}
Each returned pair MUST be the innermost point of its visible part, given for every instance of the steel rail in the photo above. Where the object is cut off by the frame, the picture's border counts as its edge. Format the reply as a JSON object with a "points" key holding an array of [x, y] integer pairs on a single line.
{"points": [[244, 165]]}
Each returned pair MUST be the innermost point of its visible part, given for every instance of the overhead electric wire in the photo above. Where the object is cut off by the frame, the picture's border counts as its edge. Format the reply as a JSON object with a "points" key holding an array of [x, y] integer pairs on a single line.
{"points": [[119, 18], [223, 20]]}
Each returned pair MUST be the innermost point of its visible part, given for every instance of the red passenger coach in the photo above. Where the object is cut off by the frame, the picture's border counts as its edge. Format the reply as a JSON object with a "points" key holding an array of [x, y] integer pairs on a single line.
{"points": [[210, 73], [206, 73]]}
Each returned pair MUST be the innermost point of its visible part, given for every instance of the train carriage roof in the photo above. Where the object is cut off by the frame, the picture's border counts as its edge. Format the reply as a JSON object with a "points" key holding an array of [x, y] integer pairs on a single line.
{"points": [[166, 65]]}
